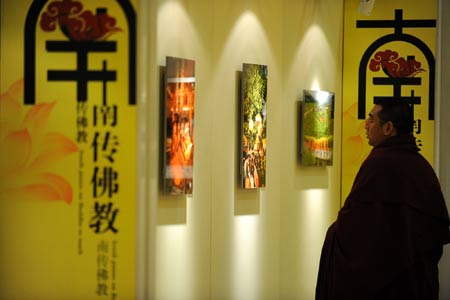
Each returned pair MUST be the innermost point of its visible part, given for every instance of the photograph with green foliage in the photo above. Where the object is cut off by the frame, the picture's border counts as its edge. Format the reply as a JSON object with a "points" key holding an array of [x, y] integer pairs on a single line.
{"points": [[254, 123], [317, 128]]}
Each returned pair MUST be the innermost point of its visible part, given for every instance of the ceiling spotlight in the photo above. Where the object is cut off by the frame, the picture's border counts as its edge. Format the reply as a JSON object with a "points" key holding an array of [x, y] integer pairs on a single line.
{"points": [[365, 7]]}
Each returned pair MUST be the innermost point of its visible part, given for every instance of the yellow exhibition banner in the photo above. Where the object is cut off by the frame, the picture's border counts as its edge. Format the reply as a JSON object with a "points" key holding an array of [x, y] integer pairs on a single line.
{"points": [[68, 149], [389, 52]]}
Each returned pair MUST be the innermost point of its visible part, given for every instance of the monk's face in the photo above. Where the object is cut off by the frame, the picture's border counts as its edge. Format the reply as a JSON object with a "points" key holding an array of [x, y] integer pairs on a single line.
{"points": [[375, 129]]}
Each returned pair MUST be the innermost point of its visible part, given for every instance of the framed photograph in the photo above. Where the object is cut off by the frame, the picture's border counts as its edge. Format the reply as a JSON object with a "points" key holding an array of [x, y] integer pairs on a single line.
{"points": [[253, 126], [317, 124], [179, 126]]}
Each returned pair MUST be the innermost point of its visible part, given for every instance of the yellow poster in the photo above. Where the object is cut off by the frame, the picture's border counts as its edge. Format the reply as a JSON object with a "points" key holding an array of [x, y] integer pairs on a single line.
{"points": [[389, 52], [68, 154]]}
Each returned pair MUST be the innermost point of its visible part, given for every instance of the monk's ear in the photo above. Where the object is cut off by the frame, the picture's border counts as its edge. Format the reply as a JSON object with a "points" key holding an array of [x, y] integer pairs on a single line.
{"points": [[389, 128]]}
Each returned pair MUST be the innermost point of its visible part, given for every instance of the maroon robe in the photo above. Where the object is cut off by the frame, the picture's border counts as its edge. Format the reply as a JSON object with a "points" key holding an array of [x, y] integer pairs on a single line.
{"points": [[389, 235]]}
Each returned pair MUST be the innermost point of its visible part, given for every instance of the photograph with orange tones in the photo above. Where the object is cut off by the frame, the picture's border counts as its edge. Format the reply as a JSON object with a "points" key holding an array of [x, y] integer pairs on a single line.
{"points": [[317, 128], [179, 126], [254, 123]]}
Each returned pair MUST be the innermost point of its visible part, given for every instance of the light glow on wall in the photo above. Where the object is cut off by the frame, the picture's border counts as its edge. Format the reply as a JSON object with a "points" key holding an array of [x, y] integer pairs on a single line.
{"points": [[248, 38], [245, 31], [245, 271], [315, 85], [318, 63], [312, 218], [241, 39], [175, 262], [180, 36], [173, 249]]}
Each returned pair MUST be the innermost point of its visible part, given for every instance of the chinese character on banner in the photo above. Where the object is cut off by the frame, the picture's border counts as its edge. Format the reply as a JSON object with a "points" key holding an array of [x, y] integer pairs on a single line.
{"points": [[387, 55], [69, 101]]}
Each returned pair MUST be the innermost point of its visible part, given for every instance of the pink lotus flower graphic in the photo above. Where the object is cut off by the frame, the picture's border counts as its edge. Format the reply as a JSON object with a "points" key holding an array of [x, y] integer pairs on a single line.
{"points": [[28, 151]]}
